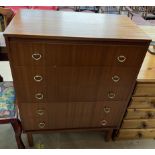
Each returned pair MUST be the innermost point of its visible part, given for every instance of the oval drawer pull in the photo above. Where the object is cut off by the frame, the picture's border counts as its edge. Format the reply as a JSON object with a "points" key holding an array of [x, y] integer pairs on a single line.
{"points": [[36, 56], [111, 95], [40, 112], [103, 122], [115, 78], [38, 78], [39, 96], [41, 125], [121, 58], [107, 110]]}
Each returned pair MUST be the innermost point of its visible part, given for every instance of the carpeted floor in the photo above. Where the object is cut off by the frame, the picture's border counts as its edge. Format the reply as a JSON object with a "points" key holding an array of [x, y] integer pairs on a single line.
{"points": [[78, 140]]}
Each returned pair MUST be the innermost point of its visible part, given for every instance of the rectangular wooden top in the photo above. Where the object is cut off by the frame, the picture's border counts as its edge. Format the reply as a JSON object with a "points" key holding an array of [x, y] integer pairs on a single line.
{"points": [[58, 24]]}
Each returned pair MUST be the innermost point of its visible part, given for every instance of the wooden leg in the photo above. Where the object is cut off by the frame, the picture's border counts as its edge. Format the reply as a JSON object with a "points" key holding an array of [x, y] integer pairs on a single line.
{"points": [[30, 139], [16, 124], [108, 135]]}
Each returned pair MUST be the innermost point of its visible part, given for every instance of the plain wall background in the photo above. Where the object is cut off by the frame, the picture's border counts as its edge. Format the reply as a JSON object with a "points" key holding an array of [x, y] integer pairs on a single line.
{"points": [[5, 71]]}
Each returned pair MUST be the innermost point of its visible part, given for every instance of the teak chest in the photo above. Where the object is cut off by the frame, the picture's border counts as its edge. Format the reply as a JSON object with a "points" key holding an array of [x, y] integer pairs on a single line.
{"points": [[73, 70]]}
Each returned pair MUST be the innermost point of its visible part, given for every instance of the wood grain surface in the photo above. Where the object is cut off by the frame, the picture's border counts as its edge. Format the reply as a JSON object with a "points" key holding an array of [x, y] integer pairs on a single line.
{"points": [[79, 54], [147, 71], [53, 24], [138, 124], [136, 133], [142, 102]]}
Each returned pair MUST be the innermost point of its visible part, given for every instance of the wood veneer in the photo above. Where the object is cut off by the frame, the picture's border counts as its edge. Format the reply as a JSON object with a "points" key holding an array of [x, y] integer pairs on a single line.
{"points": [[78, 56]]}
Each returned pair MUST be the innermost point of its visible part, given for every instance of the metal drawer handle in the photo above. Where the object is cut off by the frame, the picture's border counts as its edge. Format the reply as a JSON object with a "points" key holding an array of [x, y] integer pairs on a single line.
{"points": [[36, 56], [111, 95], [39, 96], [103, 122], [107, 110], [40, 112], [38, 78], [41, 125], [121, 58], [115, 78]]}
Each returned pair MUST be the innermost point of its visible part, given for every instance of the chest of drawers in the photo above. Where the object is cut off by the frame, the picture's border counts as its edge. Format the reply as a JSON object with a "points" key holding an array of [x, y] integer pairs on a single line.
{"points": [[72, 74]]}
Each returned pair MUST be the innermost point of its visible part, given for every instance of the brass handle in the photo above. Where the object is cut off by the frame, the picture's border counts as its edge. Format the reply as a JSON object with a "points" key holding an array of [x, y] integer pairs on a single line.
{"points": [[103, 122], [41, 125], [115, 78], [121, 58], [40, 112], [111, 95], [107, 110], [39, 96], [36, 56], [38, 78]]}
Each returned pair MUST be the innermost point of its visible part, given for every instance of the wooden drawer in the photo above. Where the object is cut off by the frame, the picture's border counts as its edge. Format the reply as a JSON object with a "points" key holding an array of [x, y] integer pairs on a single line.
{"points": [[113, 117], [142, 102], [136, 133], [77, 84], [22, 53], [88, 83], [74, 54], [144, 90], [138, 124], [32, 76], [30, 83], [140, 114], [32, 114], [94, 55], [71, 115]]}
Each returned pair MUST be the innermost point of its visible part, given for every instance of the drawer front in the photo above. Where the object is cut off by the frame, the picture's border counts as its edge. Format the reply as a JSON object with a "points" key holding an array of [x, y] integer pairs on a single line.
{"points": [[30, 84], [70, 115], [140, 114], [33, 116], [87, 84], [136, 133], [60, 84], [94, 55], [144, 90], [73, 54], [109, 114], [27, 53], [57, 115], [138, 124], [142, 102]]}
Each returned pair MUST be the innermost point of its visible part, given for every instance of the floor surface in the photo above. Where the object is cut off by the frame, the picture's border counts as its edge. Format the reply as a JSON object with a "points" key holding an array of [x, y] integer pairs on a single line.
{"points": [[78, 140]]}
